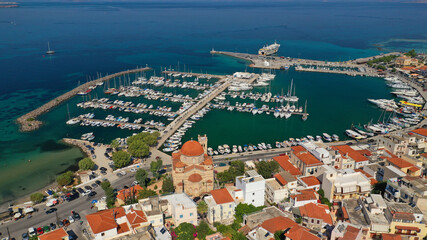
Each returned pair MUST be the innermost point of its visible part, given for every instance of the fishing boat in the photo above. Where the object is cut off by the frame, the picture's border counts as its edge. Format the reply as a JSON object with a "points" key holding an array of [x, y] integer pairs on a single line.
{"points": [[327, 137]]}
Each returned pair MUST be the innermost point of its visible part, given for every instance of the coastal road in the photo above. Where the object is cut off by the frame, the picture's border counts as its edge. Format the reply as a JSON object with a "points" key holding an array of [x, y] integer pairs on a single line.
{"points": [[81, 205]]}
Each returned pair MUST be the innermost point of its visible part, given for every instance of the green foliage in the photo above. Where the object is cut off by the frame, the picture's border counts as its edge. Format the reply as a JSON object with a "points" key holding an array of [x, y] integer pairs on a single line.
{"points": [[393, 70], [145, 193], [202, 207], [243, 209], [321, 193], [105, 185], [65, 178], [298, 220], [115, 144], [278, 235], [86, 164], [138, 149], [385, 59], [411, 53], [203, 230], [267, 169], [167, 186], [381, 67], [141, 176], [185, 231], [379, 187], [121, 159], [326, 202], [149, 138], [37, 197], [155, 167], [228, 231], [237, 168]]}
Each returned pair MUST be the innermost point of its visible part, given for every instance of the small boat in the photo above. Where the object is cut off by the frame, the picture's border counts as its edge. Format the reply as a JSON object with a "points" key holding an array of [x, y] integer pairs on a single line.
{"points": [[327, 137], [73, 121], [49, 52], [354, 134], [335, 137]]}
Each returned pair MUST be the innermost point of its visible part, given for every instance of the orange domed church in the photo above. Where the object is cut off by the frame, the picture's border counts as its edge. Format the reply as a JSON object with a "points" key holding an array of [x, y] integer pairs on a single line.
{"points": [[192, 171]]}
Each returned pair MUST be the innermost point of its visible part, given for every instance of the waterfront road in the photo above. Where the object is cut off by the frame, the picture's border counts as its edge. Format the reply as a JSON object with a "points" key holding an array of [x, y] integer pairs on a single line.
{"points": [[81, 205]]}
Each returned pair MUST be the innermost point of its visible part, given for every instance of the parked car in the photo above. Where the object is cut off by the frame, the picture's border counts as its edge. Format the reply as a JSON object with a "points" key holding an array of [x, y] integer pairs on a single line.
{"points": [[98, 182], [32, 231], [123, 173], [76, 215], [103, 169], [103, 172], [94, 185], [60, 224], [40, 231], [86, 193], [91, 194], [65, 222], [71, 219], [51, 210], [25, 236], [52, 226], [46, 229], [134, 183], [132, 170], [88, 188], [80, 190]]}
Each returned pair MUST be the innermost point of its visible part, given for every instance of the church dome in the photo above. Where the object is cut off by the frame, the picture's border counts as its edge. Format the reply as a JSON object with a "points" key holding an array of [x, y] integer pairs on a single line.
{"points": [[192, 148]]}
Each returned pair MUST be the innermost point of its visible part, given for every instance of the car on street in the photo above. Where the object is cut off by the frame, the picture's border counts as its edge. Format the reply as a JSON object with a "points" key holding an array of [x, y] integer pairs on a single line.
{"points": [[86, 193], [125, 187], [103, 169], [134, 183], [88, 188], [80, 190], [91, 194], [32, 231], [132, 170], [65, 222], [76, 215], [52, 226], [51, 210], [123, 173], [71, 219], [60, 224], [40, 231], [46, 229], [94, 185], [25, 236], [98, 182], [103, 172]]}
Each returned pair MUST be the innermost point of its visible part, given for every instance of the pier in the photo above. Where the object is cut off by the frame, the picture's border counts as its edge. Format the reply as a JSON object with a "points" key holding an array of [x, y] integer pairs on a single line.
{"points": [[196, 74], [276, 62], [28, 122], [106, 106], [180, 120], [121, 123]]}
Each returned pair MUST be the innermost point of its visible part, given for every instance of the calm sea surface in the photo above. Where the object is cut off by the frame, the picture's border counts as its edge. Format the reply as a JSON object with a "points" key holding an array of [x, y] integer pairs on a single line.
{"points": [[107, 37]]}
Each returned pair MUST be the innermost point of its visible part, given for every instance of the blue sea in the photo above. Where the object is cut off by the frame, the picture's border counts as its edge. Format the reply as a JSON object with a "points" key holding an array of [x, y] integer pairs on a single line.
{"points": [[101, 38]]}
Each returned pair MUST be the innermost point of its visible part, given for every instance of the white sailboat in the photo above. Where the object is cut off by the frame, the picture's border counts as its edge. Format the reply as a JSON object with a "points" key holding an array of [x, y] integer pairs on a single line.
{"points": [[49, 52]]}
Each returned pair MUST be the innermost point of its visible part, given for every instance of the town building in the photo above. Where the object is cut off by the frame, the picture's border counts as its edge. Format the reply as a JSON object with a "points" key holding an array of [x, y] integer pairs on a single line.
{"points": [[404, 165], [405, 61], [57, 234], [221, 206], [286, 165], [314, 216], [346, 231], [306, 162], [253, 186], [127, 194], [304, 196], [280, 187], [310, 182], [395, 143], [152, 208], [192, 171], [373, 208], [343, 185], [407, 189], [406, 220], [181, 208], [350, 158]]}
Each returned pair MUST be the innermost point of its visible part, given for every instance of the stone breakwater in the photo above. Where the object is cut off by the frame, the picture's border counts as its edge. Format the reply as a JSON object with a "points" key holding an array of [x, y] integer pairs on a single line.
{"points": [[28, 122]]}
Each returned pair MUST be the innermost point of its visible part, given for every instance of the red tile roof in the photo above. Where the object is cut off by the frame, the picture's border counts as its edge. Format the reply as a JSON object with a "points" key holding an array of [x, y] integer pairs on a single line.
{"points": [[350, 233], [192, 148], [104, 220], [305, 195], [136, 217], [387, 236], [407, 228], [300, 233], [286, 165], [306, 157], [280, 179], [195, 177], [310, 181], [369, 176], [221, 196], [400, 163], [317, 211], [126, 193], [355, 155], [57, 234], [122, 228], [420, 131], [278, 223]]}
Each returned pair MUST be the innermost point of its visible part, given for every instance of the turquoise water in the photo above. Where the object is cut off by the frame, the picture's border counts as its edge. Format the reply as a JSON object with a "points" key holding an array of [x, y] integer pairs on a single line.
{"points": [[92, 38]]}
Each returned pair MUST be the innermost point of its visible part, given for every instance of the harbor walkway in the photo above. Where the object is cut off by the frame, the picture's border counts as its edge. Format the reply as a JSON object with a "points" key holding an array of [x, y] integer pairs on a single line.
{"points": [[28, 122]]}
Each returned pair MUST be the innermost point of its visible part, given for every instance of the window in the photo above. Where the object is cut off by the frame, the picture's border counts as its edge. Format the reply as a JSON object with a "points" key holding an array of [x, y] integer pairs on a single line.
{"points": [[253, 194], [312, 220], [318, 221], [102, 234], [181, 216]]}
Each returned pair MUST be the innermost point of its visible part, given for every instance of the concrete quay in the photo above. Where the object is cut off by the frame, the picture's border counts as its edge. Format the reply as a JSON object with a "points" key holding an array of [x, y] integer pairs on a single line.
{"points": [[196, 74], [370, 72], [180, 120], [28, 122]]}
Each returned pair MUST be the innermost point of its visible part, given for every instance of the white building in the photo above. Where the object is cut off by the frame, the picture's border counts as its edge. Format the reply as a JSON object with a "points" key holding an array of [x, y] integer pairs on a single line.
{"points": [[221, 206], [253, 187], [280, 187], [182, 208]]}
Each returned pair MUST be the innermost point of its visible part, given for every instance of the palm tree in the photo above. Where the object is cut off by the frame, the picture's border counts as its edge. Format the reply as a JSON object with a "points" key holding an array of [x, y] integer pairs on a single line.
{"points": [[202, 208]]}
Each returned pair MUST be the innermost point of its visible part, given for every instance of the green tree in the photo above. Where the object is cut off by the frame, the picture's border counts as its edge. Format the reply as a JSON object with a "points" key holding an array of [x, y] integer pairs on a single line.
{"points": [[121, 159], [243, 208], [37, 197], [167, 186], [379, 187], [321, 193], [237, 168], [202, 208], [105, 185], [203, 230], [86, 164], [138, 149], [411, 53], [141, 176], [185, 231], [149, 138], [145, 193], [65, 178], [279, 235], [267, 169], [155, 167], [115, 144]]}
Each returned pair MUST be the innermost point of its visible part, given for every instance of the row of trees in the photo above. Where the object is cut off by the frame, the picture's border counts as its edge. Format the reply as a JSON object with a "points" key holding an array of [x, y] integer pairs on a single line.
{"points": [[139, 144], [267, 168], [237, 168], [109, 193]]}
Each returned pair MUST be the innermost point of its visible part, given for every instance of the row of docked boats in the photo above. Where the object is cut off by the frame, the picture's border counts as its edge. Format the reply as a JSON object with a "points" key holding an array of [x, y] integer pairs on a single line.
{"points": [[403, 90], [176, 83], [150, 94], [174, 141]]}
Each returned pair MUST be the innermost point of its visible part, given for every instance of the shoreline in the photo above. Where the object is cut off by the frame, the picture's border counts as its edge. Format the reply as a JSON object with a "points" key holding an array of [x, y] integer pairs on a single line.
{"points": [[28, 122]]}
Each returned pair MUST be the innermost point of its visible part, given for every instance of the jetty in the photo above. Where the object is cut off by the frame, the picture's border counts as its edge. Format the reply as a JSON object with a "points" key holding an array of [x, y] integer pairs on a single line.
{"points": [[28, 122], [351, 67], [205, 75], [121, 123]]}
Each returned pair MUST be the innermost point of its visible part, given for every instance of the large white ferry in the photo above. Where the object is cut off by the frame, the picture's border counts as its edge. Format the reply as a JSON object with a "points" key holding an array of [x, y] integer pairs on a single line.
{"points": [[269, 50]]}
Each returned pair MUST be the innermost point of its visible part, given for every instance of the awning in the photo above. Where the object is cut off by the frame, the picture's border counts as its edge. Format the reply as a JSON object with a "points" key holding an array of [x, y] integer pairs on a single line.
{"points": [[407, 228]]}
